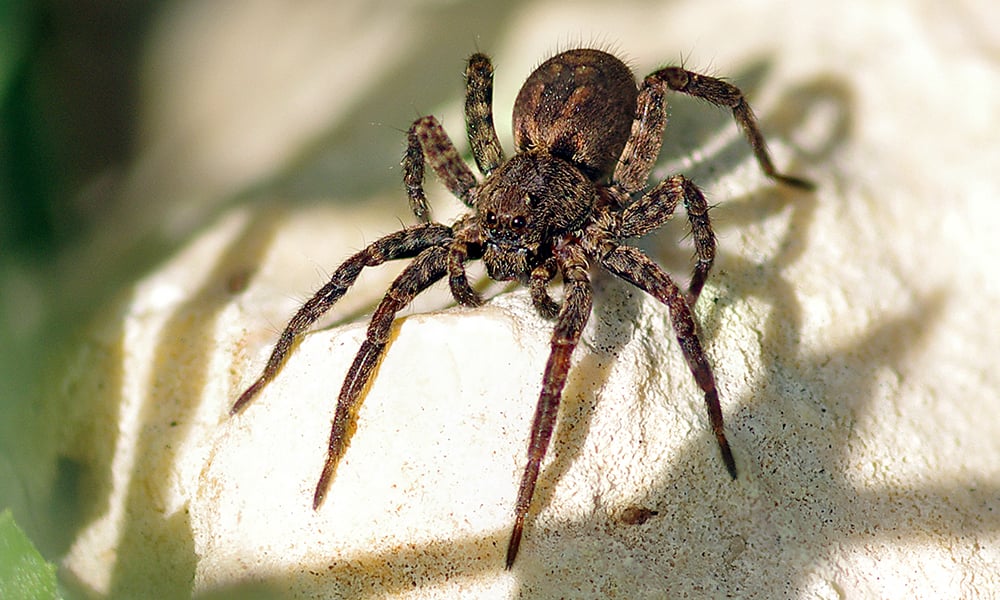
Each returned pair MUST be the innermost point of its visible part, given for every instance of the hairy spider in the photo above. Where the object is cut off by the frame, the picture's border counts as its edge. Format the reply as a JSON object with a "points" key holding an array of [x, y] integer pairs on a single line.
{"points": [[586, 138]]}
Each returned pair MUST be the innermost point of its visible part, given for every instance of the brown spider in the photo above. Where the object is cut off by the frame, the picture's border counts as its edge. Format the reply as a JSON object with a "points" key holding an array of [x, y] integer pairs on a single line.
{"points": [[586, 140]]}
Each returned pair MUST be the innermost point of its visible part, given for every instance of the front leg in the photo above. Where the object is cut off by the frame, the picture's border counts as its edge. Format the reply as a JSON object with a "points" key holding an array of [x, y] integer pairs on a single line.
{"points": [[425, 269], [426, 138], [401, 244], [573, 317], [479, 114]]}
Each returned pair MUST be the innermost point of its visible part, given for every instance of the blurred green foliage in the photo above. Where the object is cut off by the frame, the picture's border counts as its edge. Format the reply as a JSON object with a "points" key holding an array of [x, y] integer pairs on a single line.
{"points": [[28, 180], [67, 114], [68, 93]]}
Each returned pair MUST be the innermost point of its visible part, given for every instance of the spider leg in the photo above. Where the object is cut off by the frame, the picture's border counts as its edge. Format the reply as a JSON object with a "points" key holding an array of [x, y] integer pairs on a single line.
{"points": [[402, 244], [428, 267], [644, 142], [657, 206], [647, 130], [479, 114], [572, 318], [638, 269], [426, 138]]}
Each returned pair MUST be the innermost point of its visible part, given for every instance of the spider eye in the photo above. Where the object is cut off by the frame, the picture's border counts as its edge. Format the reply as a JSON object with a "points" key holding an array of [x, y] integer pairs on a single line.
{"points": [[491, 218], [518, 222]]}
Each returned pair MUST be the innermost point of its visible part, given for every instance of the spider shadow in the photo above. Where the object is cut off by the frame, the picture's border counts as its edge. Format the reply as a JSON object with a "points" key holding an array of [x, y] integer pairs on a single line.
{"points": [[831, 507]]}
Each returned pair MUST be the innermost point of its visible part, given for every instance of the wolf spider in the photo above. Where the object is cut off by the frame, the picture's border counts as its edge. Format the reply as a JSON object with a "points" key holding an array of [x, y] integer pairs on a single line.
{"points": [[587, 137]]}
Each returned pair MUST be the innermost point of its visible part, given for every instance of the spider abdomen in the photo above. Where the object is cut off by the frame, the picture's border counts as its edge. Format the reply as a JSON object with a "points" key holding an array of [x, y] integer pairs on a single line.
{"points": [[577, 106]]}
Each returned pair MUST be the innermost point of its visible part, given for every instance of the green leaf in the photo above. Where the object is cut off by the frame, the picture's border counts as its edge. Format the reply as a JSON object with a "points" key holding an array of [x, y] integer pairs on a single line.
{"points": [[23, 571]]}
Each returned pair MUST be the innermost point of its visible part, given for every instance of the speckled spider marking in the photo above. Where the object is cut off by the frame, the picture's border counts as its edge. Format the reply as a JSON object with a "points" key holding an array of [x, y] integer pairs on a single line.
{"points": [[586, 138]]}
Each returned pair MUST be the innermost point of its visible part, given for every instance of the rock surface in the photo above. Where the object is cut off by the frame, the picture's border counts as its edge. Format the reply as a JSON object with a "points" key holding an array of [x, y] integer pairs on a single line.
{"points": [[852, 332]]}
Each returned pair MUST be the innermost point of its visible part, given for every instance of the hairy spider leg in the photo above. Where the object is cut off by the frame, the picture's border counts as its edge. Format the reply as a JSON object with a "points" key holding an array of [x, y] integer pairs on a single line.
{"points": [[573, 316], [644, 143], [426, 138], [633, 266], [428, 267], [405, 243], [479, 125]]}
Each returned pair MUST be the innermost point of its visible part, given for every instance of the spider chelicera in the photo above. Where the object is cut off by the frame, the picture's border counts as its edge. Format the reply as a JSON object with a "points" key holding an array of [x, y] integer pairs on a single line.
{"points": [[586, 139]]}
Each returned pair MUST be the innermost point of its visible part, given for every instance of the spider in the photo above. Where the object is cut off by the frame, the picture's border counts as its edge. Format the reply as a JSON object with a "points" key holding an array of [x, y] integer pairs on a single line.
{"points": [[587, 137]]}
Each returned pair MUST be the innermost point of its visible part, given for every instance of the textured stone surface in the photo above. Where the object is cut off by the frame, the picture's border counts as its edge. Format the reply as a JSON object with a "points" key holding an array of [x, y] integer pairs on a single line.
{"points": [[852, 332]]}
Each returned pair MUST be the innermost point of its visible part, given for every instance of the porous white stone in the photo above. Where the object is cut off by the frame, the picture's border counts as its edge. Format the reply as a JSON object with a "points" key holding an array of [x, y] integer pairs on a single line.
{"points": [[852, 332]]}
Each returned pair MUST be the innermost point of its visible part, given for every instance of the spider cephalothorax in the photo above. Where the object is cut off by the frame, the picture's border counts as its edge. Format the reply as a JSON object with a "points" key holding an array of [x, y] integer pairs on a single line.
{"points": [[531, 199], [570, 198]]}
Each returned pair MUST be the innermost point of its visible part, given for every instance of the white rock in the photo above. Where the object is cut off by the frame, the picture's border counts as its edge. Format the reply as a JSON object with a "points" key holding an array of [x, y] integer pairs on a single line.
{"points": [[852, 333]]}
